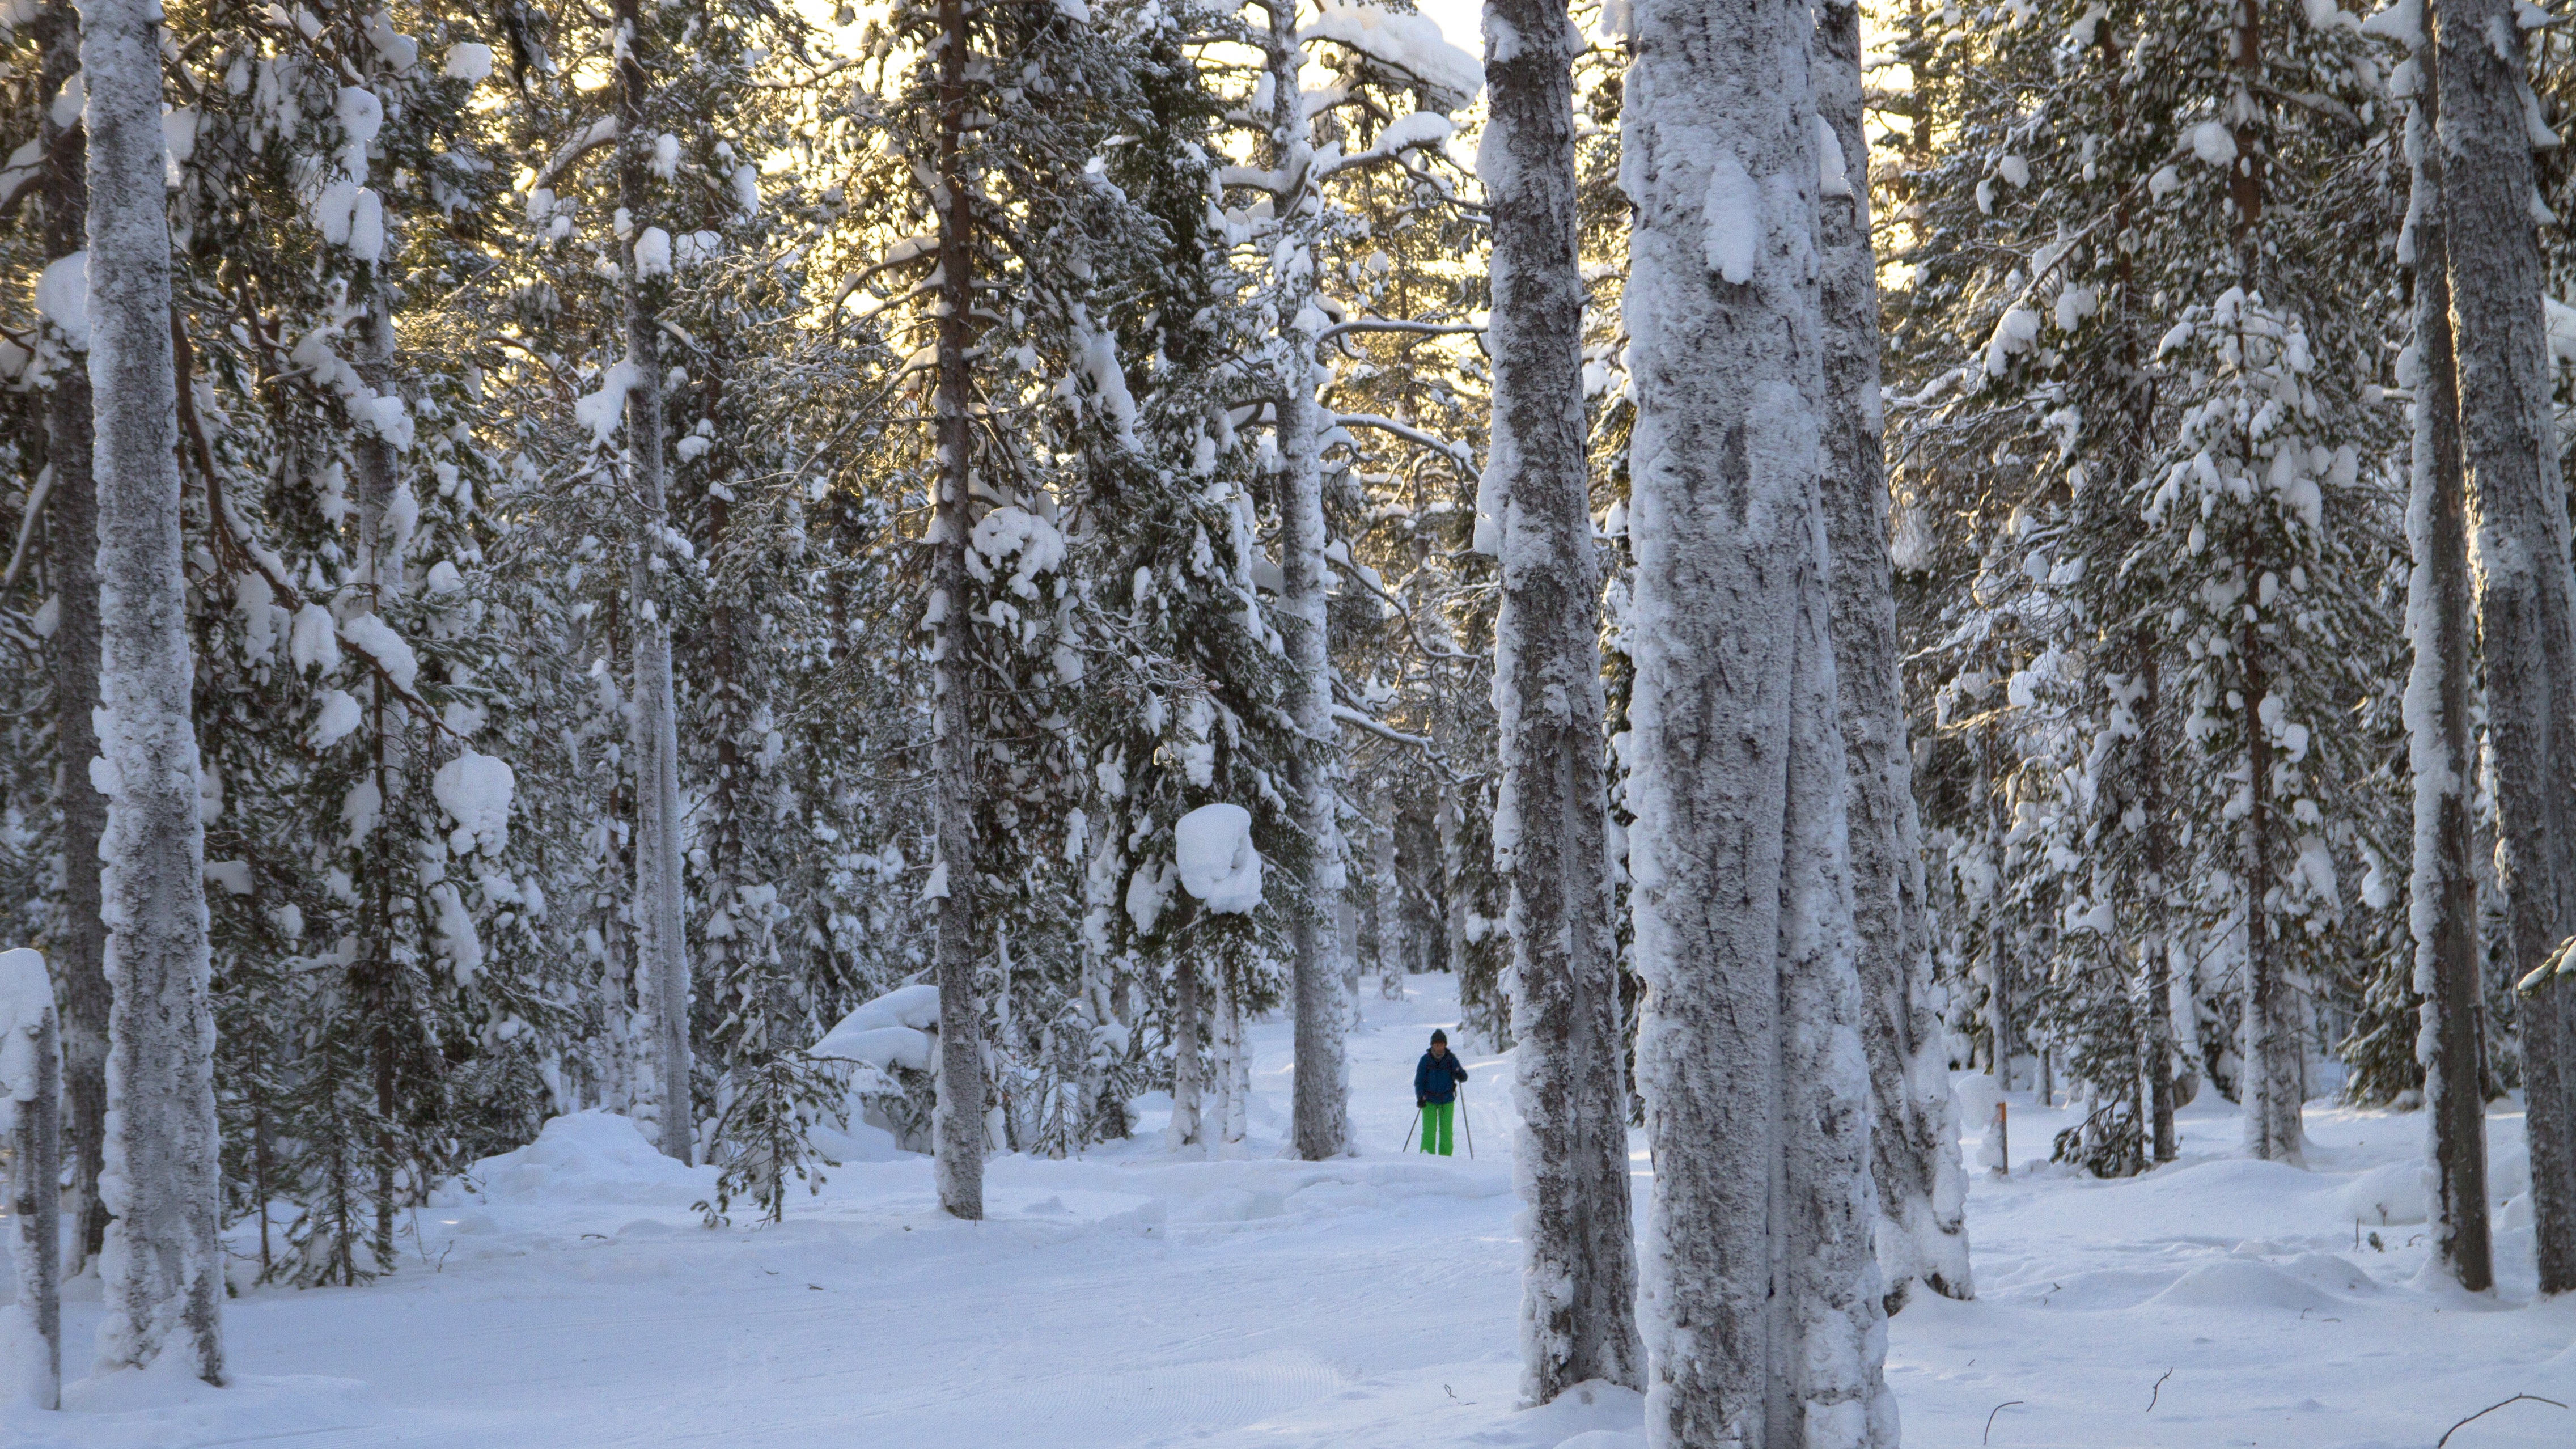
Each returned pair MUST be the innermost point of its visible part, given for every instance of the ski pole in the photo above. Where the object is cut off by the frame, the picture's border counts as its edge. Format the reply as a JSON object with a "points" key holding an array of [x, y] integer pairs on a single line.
{"points": [[1467, 1122], [1409, 1128]]}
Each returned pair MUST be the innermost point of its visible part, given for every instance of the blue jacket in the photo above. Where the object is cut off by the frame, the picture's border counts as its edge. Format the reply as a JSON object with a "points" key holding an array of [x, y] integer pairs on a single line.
{"points": [[1438, 1081]]}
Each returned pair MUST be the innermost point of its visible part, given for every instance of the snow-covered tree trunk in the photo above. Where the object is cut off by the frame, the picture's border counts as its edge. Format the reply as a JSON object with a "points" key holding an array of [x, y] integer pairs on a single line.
{"points": [[31, 1102], [2520, 542], [958, 1138], [1392, 945], [1761, 1300], [1914, 1144], [1189, 1014], [1233, 1072], [1999, 1022], [2443, 898], [2154, 990], [80, 944], [163, 1265], [661, 935], [1321, 1110], [1578, 1279]]}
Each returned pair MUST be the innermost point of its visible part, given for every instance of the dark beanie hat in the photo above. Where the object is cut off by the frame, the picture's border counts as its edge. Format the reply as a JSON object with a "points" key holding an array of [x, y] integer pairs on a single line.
{"points": [[1440, 1036]]}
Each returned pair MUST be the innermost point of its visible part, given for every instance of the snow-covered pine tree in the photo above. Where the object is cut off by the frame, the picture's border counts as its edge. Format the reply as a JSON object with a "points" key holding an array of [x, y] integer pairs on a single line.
{"points": [[636, 386], [1551, 827], [2525, 618], [1761, 1297], [75, 945], [162, 1264], [1914, 1140], [2443, 885]]}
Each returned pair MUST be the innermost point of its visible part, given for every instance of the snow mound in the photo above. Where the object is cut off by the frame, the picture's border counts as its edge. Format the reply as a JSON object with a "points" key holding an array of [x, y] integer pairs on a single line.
{"points": [[2388, 1196], [2332, 1272], [591, 1157], [2238, 1283], [894, 1028], [1213, 847]]}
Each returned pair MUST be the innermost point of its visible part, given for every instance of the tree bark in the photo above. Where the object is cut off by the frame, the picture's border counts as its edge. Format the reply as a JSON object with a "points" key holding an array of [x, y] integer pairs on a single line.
{"points": [[959, 1140], [1914, 1140], [162, 1261], [1551, 830], [1189, 1033], [661, 933], [1321, 1105], [2443, 907], [2517, 524], [79, 950], [2154, 997], [1761, 1299]]}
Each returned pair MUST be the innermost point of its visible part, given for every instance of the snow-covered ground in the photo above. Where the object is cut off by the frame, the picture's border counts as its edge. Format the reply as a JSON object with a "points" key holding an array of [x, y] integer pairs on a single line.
{"points": [[1130, 1299]]}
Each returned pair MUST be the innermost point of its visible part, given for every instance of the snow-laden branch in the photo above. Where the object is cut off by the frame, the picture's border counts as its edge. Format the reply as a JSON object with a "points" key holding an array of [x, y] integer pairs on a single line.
{"points": [[601, 132], [1456, 453], [1382, 324]]}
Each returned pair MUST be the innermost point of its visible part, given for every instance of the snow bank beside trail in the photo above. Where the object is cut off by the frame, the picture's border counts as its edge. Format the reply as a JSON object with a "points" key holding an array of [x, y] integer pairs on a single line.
{"points": [[589, 1157]]}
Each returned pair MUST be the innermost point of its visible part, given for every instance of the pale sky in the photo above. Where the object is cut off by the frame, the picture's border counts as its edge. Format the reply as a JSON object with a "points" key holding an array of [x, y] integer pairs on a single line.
{"points": [[1461, 20]]}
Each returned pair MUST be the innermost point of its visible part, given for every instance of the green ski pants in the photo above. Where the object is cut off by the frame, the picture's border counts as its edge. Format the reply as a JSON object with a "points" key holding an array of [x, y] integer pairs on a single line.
{"points": [[1435, 1126]]}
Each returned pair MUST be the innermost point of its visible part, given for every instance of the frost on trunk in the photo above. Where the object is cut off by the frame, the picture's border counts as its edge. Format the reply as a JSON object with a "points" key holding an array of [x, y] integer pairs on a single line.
{"points": [[661, 937], [958, 1133], [1393, 947], [1914, 1146], [1233, 1072], [2519, 548], [162, 1266], [2443, 900], [1761, 1302], [79, 947], [1551, 825], [1321, 1108], [1189, 1015]]}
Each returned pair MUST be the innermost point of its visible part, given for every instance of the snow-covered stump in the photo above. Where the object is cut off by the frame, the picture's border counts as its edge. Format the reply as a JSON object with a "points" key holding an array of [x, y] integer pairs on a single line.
{"points": [[1761, 1297], [162, 1264], [31, 1110], [1914, 1146], [1579, 1276]]}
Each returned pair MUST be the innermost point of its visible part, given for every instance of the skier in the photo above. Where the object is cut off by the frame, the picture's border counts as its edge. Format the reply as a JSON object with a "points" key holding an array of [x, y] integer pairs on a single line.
{"points": [[1435, 1092]]}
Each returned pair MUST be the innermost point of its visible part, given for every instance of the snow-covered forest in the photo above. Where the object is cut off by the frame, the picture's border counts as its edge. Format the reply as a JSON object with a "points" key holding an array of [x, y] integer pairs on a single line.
{"points": [[662, 655]]}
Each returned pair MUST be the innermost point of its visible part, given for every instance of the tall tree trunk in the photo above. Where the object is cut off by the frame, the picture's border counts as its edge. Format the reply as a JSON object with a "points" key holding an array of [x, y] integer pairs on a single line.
{"points": [[1321, 1109], [2153, 998], [380, 573], [2517, 511], [1551, 830], [661, 932], [164, 1263], [2275, 1041], [1189, 1035], [959, 1138], [1393, 944], [1761, 1296], [2444, 913], [1999, 1022], [79, 950], [1914, 1141]]}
